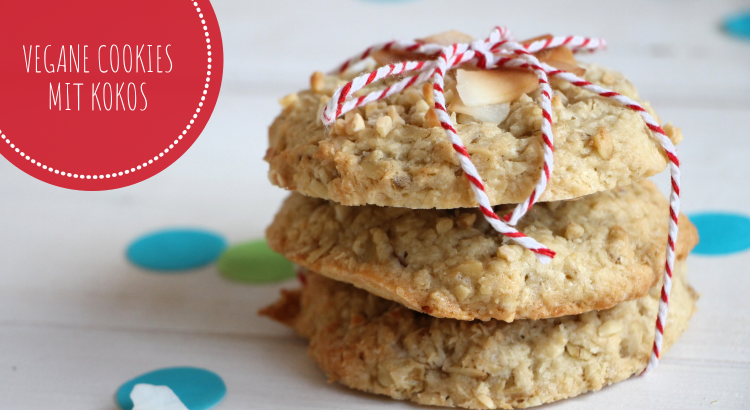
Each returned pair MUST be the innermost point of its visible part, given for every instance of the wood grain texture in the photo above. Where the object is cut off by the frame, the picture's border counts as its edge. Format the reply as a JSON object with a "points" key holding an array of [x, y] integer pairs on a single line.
{"points": [[76, 320]]}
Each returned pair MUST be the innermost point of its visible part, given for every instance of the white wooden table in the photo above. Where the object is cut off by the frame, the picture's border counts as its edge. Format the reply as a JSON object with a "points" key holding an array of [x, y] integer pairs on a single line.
{"points": [[76, 320]]}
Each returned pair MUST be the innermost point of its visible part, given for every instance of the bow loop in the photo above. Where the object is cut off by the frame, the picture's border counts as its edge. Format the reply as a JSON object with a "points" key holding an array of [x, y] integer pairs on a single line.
{"points": [[485, 56]]}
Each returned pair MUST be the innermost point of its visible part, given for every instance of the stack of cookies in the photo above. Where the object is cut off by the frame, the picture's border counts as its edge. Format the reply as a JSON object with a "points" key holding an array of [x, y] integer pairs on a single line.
{"points": [[407, 291]]}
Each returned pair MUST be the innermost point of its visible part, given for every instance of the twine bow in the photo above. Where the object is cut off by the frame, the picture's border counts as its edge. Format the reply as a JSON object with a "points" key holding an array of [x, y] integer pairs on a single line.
{"points": [[500, 50]]}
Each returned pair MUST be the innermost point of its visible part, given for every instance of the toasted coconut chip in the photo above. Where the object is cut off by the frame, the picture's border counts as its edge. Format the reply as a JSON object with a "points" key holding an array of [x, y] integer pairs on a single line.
{"points": [[496, 86], [383, 57], [447, 38], [561, 58]]}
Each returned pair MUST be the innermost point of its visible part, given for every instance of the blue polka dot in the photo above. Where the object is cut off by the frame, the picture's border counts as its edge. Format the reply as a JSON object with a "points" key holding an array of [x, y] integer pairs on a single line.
{"points": [[721, 233], [197, 389], [176, 249], [738, 24]]}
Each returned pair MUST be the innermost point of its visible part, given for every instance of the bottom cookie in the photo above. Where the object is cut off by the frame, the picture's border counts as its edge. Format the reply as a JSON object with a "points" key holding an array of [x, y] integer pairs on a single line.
{"points": [[379, 346]]}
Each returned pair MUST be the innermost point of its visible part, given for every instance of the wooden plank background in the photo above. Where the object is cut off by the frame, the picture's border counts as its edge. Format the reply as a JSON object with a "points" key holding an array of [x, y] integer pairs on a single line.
{"points": [[76, 320]]}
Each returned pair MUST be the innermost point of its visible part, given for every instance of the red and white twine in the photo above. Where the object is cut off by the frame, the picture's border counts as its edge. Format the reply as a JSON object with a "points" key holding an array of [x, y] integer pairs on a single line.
{"points": [[499, 50]]}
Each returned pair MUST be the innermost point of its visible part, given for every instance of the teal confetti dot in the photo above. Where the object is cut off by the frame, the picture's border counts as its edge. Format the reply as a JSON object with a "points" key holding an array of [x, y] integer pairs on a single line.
{"points": [[176, 249], [738, 24], [197, 389], [721, 233]]}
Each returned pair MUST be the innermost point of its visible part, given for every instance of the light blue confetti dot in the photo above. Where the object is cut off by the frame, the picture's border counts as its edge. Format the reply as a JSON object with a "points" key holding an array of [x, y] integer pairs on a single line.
{"points": [[721, 233], [197, 389], [738, 24], [176, 249]]}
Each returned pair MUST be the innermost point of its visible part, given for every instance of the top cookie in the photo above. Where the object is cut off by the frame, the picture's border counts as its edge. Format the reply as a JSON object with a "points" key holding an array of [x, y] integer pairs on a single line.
{"points": [[393, 153]]}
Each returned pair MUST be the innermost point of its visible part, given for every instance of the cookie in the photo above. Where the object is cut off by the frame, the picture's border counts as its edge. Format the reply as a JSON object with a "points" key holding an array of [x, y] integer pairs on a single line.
{"points": [[390, 153], [378, 346], [451, 263]]}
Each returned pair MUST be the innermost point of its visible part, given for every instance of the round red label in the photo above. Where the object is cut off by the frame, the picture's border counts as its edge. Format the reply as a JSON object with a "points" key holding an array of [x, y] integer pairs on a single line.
{"points": [[99, 95]]}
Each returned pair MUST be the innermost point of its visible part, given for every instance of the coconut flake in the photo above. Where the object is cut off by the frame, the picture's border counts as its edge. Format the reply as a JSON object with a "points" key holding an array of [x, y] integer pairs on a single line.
{"points": [[150, 397], [496, 86], [494, 113], [561, 58], [447, 38]]}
